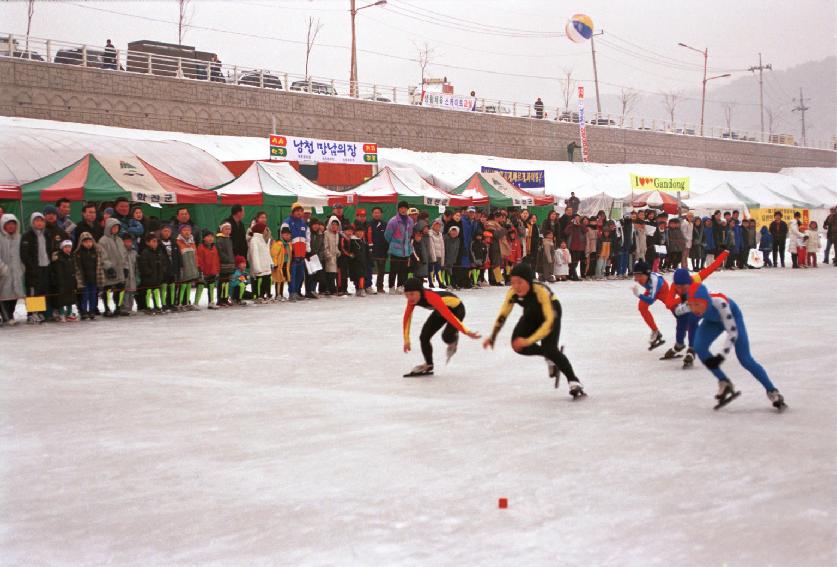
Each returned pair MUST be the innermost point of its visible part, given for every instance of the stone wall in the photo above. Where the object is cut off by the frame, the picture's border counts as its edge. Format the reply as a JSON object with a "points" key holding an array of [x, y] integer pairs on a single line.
{"points": [[76, 94]]}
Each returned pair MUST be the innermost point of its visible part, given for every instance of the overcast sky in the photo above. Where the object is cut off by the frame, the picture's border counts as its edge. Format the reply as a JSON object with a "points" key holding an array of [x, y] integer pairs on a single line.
{"points": [[482, 45]]}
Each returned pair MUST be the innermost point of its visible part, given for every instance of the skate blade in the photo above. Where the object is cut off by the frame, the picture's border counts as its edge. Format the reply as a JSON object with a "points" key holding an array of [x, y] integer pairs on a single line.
{"points": [[578, 395], [675, 357], [655, 345], [417, 374], [727, 400]]}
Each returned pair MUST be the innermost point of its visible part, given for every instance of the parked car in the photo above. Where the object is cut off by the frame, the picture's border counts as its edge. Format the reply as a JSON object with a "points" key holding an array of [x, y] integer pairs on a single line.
{"points": [[16, 51], [313, 87], [730, 135], [568, 117], [260, 79], [494, 109], [602, 122], [76, 57], [686, 131], [378, 98]]}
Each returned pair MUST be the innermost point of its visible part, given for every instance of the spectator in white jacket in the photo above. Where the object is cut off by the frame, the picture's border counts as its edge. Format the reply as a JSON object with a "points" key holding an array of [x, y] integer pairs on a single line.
{"points": [[436, 249], [796, 239], [261, 263], [687, 228]]}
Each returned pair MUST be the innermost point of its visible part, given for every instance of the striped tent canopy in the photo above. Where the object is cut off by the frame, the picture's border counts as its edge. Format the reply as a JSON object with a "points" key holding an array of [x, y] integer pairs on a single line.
{"points": [[657, 199], [495, 189], [391, 185], [278, 184], [11, 192], [104, 178]]}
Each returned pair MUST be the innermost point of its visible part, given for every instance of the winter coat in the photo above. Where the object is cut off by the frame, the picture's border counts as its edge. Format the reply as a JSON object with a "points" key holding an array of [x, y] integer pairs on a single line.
{"points": [[515, 251], [114, 255], [331, 250], [640, 241], [238, 236], [300, 236], [171, 260], [479, 253], [575, 237], [779, 230], [606, 241], [452, 247], [281, 261], [131, 277], [745, 238], [259, 256], [813, 244], [688, 229], [376, 236], [188, 259], [797, 237], [94, 229], [11, 265], [765, 240], [466, 236], [532, 244], [209, 260], [63, 275], [495, 256], [152, 267], [562, 262], [696, 250], [226, 255], [591, 242], [399, 235], [318, 244], [830, 226], [546, 260], [89, 266], [676, 241], [436, 248], [418, 261]]}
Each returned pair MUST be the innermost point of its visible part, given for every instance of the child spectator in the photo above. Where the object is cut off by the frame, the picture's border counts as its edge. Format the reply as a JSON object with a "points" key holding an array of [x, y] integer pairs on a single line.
{"points": [[127, 305], [515, 250], [563, 259], [479, 258], [260, 263], [710, 247], [357, 261], [343, 267], [813, 244], [115, 264], [436, 253], [188, 266], [171, 265], [238, 282], [766, 245], [209, 266], [604, 253], [452, 243], [11, 268], [280, 253], [590, 250], [331, 253], [418, 260], [90, 275], [226, 255], [64, 281], [318, 250], [152, 269], [546, 265]]}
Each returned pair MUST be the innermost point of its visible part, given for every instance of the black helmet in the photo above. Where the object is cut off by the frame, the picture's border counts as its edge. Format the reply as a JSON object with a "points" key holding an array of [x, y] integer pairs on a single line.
{"points": [[524, 271], [641, 267], [413, 284]]}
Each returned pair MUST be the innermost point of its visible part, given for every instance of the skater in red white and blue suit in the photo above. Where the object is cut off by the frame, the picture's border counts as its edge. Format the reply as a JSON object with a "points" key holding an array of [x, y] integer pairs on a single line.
{"points": [[721, 314]]}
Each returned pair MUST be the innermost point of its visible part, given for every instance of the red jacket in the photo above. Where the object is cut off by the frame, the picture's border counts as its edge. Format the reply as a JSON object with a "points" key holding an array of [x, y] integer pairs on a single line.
{"points": [[209, 261], [576, 237], [516, 254]]}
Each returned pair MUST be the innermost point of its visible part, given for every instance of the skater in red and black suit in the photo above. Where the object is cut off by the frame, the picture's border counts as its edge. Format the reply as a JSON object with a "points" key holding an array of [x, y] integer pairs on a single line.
{"points": [[539, 329], [447, 311]]}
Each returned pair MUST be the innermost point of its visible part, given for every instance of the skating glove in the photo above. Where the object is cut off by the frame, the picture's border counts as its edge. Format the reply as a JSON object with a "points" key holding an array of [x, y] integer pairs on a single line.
{"points": [[110, 273], [682, 309], [637, 290], [714, 361]]}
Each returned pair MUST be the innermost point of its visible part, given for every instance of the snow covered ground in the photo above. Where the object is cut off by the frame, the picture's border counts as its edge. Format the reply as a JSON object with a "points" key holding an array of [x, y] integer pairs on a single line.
{"points": [[285, 435]]}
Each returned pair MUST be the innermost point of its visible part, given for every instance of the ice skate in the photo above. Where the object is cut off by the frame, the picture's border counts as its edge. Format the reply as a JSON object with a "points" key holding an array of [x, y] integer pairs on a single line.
{"points": [[577, 389], [451, 350], [360, 293], [212, 306], [655, 340], [673, 352], [726, 393], [420, 370], [777, 399], [689, 359]]}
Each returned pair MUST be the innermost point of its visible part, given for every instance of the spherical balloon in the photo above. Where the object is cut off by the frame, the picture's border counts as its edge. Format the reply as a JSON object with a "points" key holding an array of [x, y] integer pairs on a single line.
{"points": [[579, 28]]}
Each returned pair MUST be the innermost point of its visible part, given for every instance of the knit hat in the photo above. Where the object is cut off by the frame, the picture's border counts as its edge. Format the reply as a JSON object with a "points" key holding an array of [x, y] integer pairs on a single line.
{"points": [[223, 224], [641, 267], [524, 271], [50, 210], [85, 236], [360, 213], [413, 284], [472, 209], [258, 227], [240, 260], [34, 216], [682, 276], [66, 243], [412, 211], [403, 205]]}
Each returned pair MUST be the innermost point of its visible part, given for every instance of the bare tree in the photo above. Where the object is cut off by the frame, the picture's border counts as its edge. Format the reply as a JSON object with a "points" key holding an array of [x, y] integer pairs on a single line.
{"points": [[425, 58], [184, 18], [729, 108], [628, 99], [314, 27], [568, 87], [30, 12], [671, 100]]}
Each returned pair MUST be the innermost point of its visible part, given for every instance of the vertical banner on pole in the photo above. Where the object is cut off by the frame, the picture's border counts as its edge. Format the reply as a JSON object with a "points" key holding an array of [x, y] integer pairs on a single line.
{"points": [[582, 127]]}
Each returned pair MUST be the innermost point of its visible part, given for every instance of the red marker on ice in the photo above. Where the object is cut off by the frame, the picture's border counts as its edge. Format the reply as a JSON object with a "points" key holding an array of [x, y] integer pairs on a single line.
{"points": [[503, 503]]}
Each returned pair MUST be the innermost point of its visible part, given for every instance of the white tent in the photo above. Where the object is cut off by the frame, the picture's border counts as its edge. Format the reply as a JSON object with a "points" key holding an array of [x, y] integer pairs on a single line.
{"points": [[724, 197]]}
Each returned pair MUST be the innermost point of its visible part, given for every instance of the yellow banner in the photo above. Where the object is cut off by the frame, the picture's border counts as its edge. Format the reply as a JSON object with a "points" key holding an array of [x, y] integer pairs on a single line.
{"points": [[666, 184], [764, 217]]}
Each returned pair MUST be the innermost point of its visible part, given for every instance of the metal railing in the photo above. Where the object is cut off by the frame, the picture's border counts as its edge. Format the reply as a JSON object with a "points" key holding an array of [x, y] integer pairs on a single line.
{"points": [[203, 67]]}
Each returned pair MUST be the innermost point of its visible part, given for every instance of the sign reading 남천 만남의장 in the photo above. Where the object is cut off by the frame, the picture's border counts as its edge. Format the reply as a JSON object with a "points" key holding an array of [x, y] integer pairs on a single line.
{"points": [[292, 148], [666, 184], [522, 179]]}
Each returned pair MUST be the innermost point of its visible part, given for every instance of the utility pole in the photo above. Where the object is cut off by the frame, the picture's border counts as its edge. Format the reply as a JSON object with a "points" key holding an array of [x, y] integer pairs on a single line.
{"points": [[705, 53], [353, 10], [596, 75], [801, 108], [761, 69]]}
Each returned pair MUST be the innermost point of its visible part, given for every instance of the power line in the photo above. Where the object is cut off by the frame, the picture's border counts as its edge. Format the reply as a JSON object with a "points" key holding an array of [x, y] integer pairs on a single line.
{"points": [[454, 19], [761, 68], [463, 27], [801, 108]]}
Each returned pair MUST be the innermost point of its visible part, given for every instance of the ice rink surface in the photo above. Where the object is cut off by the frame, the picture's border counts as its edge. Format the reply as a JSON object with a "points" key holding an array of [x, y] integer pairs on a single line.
{"points": [[285, 435]]}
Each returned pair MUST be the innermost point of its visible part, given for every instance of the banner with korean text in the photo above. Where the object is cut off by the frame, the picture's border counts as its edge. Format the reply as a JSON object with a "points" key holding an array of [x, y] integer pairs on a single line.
{"points": [[522, 179], [293, 148]]}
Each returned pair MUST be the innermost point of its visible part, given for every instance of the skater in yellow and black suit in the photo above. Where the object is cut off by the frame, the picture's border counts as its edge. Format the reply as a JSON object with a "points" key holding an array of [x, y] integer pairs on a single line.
{"points": [[447, 311], [538, 330]]}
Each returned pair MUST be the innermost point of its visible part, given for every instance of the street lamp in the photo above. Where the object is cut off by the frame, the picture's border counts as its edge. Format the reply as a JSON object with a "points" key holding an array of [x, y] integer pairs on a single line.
{"points": [[705, 54], [353, 70]]}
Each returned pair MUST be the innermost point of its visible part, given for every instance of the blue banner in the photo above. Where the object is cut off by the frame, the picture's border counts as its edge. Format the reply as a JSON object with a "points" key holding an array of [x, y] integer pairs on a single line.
{"points": [[523, 179]]}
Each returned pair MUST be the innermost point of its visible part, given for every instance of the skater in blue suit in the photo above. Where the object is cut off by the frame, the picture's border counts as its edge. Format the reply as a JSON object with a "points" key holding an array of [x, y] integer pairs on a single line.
{"points": [[722, 315]]}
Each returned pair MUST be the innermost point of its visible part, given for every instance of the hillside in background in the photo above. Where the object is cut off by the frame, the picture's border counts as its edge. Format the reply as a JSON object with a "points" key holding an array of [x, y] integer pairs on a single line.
{"points": [[818, 80]]}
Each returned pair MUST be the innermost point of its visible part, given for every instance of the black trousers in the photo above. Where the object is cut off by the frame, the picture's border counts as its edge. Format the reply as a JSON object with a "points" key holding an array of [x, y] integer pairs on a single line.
{"points": [[432, 326], [576, 258], [397, 271], [548, 347], [381, 270], [779, 248]]}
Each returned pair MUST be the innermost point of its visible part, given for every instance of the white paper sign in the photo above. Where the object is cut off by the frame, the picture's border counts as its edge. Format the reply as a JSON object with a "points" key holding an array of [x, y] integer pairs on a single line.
{"points": [[313, 265], [660, 249]]}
